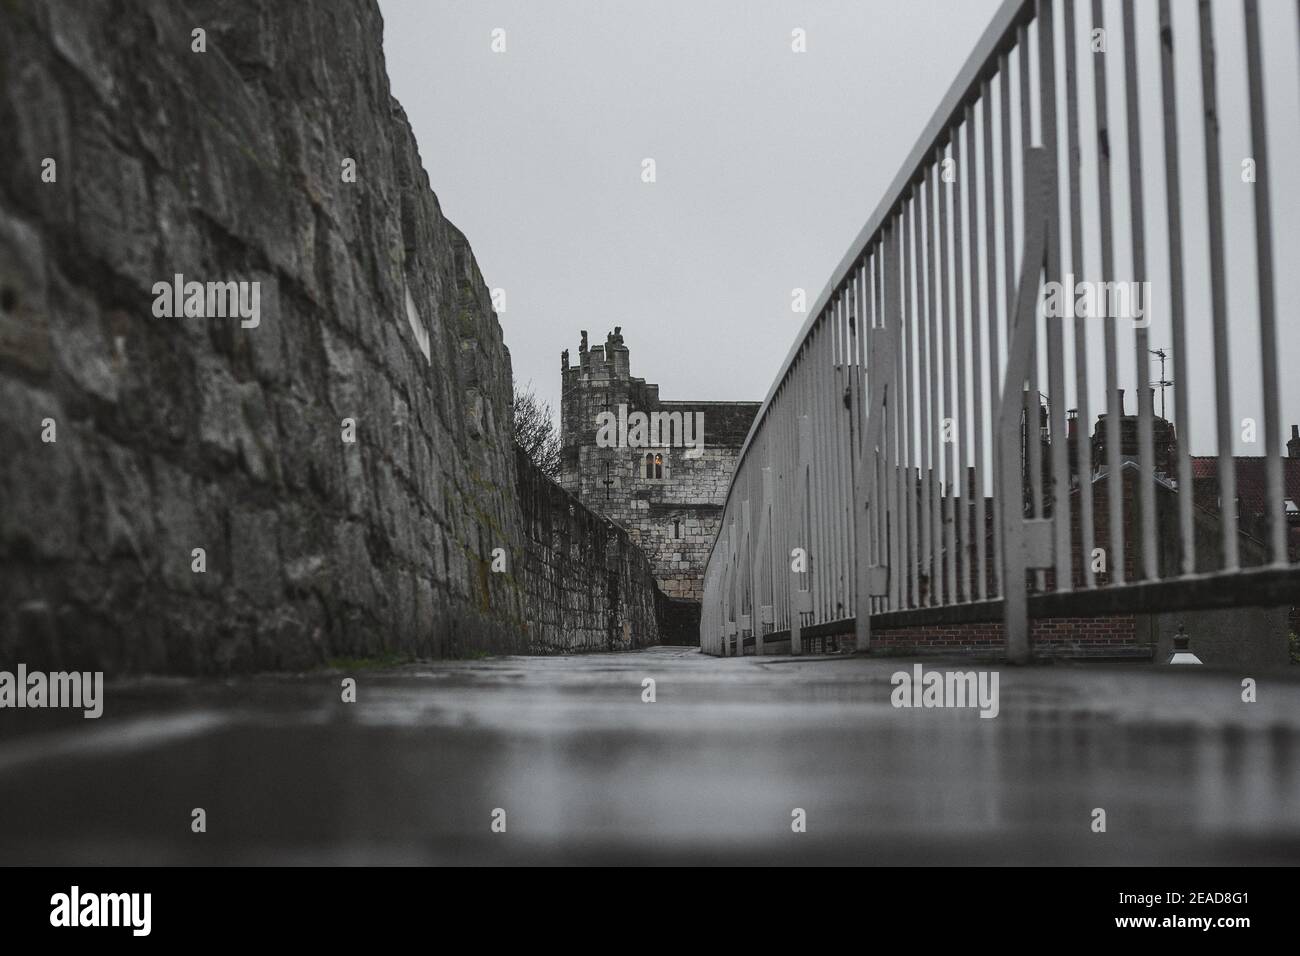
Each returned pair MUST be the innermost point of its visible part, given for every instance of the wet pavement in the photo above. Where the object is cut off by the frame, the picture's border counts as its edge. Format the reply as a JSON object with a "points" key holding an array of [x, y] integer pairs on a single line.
{"points": [[712, 771]]}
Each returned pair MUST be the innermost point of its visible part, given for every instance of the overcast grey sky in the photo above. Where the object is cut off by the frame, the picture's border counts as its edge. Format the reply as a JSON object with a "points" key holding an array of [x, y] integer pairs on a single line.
{"points": [[768, 164]]}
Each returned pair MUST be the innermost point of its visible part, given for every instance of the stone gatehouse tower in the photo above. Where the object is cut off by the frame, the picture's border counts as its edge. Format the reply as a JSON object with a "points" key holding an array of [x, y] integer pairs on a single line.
{"points": [[669, 503]]}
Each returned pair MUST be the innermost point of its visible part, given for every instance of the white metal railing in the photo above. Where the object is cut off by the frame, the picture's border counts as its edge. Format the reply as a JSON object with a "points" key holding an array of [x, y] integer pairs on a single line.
{"points": [[888, 477]]}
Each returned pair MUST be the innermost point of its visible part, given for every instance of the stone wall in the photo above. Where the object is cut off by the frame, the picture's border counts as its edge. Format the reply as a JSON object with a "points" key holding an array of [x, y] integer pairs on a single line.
{"points": [[586, 585], [177, 434]]}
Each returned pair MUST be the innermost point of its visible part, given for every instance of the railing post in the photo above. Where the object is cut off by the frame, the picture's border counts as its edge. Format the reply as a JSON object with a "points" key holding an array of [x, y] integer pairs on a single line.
{"points": [[744, 582], [1024, 544], [800, 598], [763, 557], [733, 590], [724, 595], [873, 575]]}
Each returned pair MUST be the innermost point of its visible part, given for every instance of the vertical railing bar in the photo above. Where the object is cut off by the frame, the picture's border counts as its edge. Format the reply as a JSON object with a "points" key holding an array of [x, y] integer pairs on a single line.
{"points": [[1009, 225], [769, 501], [960, 559], [778, 449], [974, 534], [820, 561], [995, 316], [866, 505], [835, 498], [1275, 515], [1008, 199], [1174, 214], [1114, 406], [765, 579], [844, 444], [835, 609], [859, 601], [869, 308], [947, 343], [867, 319], [835, 495], [820, 457], [789, 480], [735, 591], [897, 522], [792, 512], [910, 298], [788, 513], [830, 489], [1142, 355], [1026, 103], [813, 489], [801, 524], [863, 323], [772, 455], [1218, 296], [797, 528], [1033, 429], [801, 518], [887, 260], [839, 420], [872, 310], [807, 373], [878, 293], [746, 566], [934, 245], [844, 411], [1060, 456], [865, 604], [859, 605], [801, 527], [1083, 421], [880, 433], [923, 360], [863, 504], [774, 544], [844, 415], [989, 314], [850, 437]]}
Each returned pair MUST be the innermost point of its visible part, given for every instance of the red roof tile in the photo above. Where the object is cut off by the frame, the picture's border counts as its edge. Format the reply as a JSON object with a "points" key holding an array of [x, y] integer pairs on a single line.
{"points": [[1251, 480]]}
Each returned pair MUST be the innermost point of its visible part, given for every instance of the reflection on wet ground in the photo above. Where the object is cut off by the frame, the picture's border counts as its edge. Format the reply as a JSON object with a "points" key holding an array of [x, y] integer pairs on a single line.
{"points": [[710, 772]]}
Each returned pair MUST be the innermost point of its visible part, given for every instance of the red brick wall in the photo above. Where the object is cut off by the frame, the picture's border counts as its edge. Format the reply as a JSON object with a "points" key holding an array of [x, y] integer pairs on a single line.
{"points": [[1094, 635], [1053, 637]]}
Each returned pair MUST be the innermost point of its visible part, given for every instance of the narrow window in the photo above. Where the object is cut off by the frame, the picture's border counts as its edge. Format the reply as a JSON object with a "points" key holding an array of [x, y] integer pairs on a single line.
{"points": [[659, 466], [677, 528]]}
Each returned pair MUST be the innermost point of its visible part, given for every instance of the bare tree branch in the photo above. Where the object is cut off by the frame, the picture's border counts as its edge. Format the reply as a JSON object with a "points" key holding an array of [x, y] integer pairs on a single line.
{"points": [[535, 430]]}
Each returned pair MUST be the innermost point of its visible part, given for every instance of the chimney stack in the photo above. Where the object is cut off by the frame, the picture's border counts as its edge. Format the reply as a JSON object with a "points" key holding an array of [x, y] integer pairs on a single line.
{"points": [[1293, 446]]}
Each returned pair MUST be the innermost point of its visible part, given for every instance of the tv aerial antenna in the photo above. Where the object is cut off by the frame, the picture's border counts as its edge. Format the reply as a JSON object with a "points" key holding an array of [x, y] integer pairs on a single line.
{"points": [[1164, 382]]}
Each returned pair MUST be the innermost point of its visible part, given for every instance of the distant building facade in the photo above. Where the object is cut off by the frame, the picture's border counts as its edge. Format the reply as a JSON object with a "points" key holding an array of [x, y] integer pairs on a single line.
{"points": [[667, 495]]}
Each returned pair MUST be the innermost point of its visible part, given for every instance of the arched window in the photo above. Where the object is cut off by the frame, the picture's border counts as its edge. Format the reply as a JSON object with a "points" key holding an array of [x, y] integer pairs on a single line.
{"points": [[652, 465]]}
